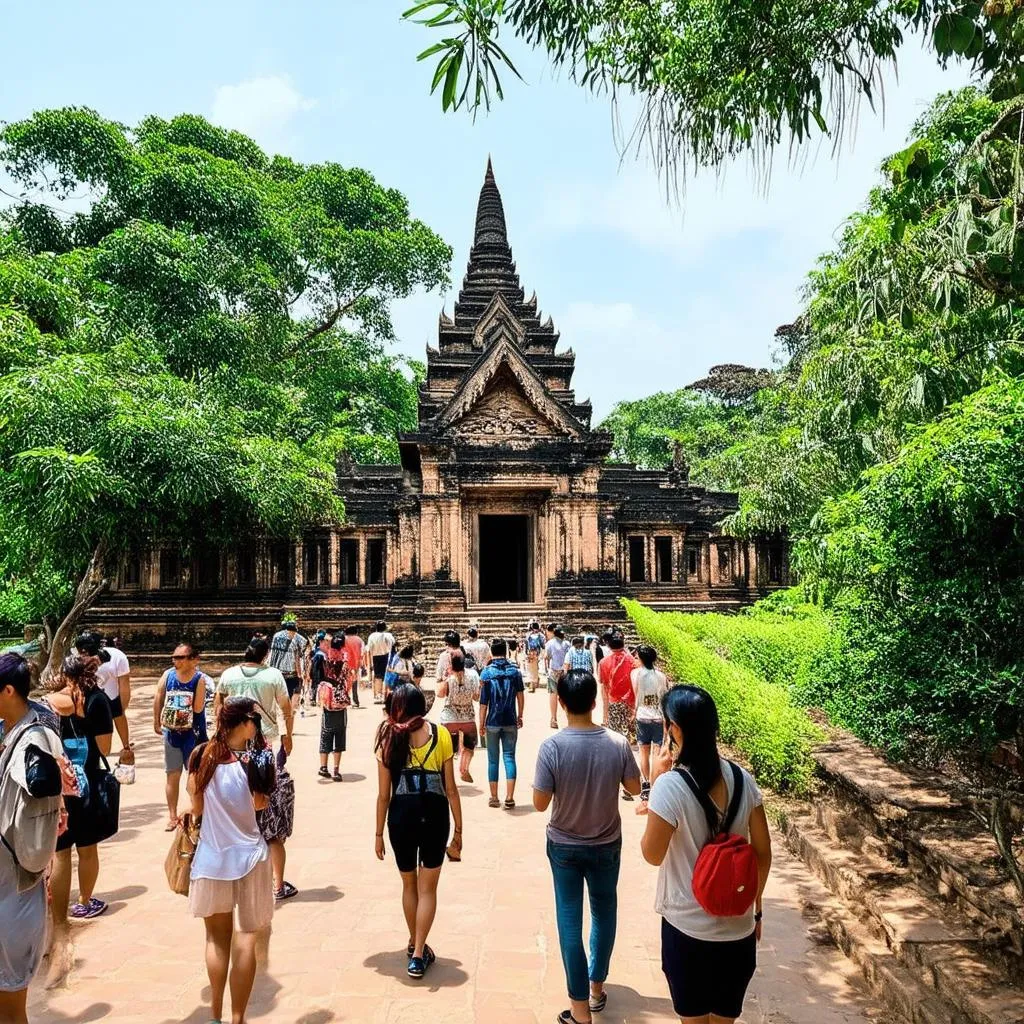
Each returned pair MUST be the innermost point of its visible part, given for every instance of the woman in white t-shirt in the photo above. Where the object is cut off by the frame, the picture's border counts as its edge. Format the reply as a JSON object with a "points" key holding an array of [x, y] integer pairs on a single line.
{"points": [[649, 687], [707, 960], [230, 779]]}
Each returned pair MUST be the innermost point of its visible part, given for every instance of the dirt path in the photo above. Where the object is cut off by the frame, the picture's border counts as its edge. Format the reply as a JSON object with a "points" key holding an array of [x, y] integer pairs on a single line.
{"points": [[336, 953]]}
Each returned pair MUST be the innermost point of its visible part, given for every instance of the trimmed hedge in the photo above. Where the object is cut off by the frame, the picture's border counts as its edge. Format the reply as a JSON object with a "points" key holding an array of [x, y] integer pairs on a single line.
{"points": [[756, 716], [787, 648]]}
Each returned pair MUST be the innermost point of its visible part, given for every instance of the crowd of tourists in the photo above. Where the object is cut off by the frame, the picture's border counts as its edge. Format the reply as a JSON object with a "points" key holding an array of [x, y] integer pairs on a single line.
{"points": [[233, 738]]}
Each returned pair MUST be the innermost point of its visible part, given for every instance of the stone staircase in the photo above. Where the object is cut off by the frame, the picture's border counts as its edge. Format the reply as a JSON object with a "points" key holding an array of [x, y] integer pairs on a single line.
{"points": [[916, 894]]}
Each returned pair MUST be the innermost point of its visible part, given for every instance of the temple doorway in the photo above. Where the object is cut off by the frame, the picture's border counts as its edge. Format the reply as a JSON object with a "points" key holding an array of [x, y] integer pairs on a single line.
{"points": [[505, 571]]}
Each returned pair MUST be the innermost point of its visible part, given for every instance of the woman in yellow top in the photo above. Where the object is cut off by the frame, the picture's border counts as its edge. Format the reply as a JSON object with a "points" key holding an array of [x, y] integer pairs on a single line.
{"points": [[416, 790]]}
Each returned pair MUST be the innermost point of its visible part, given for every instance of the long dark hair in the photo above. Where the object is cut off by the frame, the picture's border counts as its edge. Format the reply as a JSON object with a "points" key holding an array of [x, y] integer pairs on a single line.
{"points": [[406, 708], [257, 650], [693, 711], [233, 712]]}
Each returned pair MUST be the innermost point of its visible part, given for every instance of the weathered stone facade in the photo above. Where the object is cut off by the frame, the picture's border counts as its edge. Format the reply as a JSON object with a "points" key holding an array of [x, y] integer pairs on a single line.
{"points": [[503, 494]]}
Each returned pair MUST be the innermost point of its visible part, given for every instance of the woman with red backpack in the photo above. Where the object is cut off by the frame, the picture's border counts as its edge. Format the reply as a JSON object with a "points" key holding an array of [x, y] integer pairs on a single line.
{"points": [[707, 832]]}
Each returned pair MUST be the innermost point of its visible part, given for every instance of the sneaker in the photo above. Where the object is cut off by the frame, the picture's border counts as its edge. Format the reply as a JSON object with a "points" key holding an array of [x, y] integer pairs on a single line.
{"points": [[286, 892], [84, 911], [417, 967]]}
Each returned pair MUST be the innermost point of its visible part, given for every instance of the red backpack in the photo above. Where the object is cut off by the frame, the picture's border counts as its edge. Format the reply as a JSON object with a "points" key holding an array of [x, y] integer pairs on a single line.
{"points": [[725, 876]]}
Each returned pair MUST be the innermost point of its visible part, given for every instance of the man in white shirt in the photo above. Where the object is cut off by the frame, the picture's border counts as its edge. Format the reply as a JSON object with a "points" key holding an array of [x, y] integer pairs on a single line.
{"points": [[114, 676], [479, 649], [555, 650], [378, 650]]}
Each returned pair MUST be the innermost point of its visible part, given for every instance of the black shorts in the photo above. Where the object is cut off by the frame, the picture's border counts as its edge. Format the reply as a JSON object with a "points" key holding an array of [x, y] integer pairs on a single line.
{"points": [[116, 707], [380, 665], [418, 830], [706, 977], [294, 684], [468, 730], [333, 730]]}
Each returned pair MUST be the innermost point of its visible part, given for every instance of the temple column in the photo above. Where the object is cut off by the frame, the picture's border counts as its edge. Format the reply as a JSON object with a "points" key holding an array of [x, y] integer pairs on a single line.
{"points": [[297, 563], [333, 559], [705, 555]]}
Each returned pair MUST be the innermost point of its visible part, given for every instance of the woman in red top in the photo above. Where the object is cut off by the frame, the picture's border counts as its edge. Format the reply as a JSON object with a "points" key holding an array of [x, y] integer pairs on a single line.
{"points": [[617, 688]]}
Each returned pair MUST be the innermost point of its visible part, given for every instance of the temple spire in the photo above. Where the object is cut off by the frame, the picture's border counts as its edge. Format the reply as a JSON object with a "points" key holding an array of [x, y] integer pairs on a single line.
{"points": [[490, 215]]}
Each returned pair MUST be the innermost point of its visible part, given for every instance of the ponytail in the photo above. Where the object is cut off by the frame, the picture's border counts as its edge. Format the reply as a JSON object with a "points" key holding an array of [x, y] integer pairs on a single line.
{"points": [[406, 709]]}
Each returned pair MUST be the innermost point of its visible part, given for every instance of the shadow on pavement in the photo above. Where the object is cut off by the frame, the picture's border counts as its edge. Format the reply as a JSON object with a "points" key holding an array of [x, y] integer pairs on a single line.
{"points": [[444, 973], [328, 894], [95, 1012], [626, 1005], [118, 899]]}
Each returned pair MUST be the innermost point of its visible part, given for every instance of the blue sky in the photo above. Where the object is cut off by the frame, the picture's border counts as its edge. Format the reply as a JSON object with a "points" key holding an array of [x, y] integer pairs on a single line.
{"points": [[648, 295]]}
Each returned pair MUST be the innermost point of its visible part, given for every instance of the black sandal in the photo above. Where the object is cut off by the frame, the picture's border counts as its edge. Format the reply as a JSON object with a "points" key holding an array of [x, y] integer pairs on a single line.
{"points": [[566, 1017]]}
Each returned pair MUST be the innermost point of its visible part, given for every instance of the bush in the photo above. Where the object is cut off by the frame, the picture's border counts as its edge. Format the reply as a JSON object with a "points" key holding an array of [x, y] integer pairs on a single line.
{"points": [[780, 647], [756, 716]]}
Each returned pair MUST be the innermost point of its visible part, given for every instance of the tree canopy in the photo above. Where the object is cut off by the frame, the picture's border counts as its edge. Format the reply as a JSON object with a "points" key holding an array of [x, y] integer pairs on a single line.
{"points": [[191, 332], [719, 78]]}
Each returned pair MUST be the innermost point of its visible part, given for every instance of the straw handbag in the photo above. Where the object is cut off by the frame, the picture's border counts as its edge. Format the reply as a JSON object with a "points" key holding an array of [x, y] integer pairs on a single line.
{"points": [[178, 865]]}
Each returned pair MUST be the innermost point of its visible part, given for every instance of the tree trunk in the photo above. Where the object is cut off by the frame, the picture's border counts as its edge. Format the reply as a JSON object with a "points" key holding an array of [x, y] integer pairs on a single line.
{"points": [[58, 641]]}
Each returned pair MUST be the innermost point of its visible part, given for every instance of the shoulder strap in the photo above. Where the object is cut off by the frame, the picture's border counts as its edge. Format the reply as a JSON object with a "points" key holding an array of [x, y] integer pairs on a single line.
{"points": [[737, 796], [706, 803]]}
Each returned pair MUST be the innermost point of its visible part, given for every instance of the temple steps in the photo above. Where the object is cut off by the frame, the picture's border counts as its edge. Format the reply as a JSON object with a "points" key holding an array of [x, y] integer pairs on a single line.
{"points": [[931, 920]]}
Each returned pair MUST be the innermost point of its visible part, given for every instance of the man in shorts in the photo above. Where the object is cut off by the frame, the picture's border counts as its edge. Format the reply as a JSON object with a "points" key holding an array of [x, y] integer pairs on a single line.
{"points": [[378, 650], [556, 649], [289, 652]]}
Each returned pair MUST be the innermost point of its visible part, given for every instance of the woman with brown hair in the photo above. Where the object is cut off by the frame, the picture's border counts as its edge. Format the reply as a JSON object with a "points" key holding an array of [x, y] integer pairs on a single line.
{"points": [[86, 731], [230, 779], [416, 788]]}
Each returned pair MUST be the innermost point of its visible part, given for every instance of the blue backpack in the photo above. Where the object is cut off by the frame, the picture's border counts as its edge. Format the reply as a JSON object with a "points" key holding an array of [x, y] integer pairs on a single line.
{"points": [[534, 642]]}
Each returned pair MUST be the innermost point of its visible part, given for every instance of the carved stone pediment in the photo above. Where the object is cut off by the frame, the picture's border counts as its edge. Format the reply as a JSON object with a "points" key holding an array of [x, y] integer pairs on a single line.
{"points": [[504, 398], [503, 416]]}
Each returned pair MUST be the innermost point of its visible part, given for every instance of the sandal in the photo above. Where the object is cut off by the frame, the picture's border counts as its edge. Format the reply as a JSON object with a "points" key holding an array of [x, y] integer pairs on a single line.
{"points": [[566, 1017], [554, 725], [598, 1004], [338, 777], [494, 802], [172, 824], [509, 804], [324, 773], [465, 776]]}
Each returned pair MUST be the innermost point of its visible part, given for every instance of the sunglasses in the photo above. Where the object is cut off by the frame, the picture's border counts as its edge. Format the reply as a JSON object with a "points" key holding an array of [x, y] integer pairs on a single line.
{"points": [[183, 657]]}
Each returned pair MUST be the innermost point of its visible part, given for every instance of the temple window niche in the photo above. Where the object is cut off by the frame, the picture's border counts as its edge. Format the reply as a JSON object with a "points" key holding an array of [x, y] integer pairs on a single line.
{"points": [[131, 574], [663, 559], [279, 561], [316, 561], [637, 560], [170, 569], [349, 562], [375, 560], [246, 561], [692, 562], [724, 563]]}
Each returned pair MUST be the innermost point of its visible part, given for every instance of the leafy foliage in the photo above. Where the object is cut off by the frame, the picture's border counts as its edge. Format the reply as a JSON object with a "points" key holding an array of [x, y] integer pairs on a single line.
{"points": [[720, 79], [185, 358], [756, 716], [705, 420]]}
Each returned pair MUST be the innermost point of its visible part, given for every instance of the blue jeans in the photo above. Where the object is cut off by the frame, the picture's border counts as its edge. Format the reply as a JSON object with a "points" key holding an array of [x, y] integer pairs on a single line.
{"points": [[598, 866], [505, 735]]}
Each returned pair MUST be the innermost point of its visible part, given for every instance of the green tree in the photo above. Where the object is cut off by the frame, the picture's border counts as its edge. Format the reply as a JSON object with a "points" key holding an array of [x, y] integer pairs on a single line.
{"points": [[705, 420], [185, 358], [719, 79]]}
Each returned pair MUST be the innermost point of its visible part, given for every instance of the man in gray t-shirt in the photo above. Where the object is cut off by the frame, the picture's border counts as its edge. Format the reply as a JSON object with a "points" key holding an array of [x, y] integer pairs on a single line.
{"points": [[582, 768]]}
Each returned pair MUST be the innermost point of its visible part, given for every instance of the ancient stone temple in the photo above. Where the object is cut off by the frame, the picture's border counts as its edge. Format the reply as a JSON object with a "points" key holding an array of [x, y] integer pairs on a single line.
{"points": [[504, 497]]}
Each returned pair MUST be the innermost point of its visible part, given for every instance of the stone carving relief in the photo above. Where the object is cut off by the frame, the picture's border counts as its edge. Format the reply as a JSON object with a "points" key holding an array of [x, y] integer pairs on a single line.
{"points": [[502, 416]]}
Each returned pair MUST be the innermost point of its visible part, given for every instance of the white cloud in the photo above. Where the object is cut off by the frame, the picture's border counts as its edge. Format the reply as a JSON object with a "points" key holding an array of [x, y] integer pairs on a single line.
{"points": [[263, 108]]}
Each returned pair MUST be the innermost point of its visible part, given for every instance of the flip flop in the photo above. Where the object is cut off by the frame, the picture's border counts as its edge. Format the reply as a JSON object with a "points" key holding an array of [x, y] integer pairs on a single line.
{"points": [[598, 1004], [509, 805], [172, 826], [494, 802]]}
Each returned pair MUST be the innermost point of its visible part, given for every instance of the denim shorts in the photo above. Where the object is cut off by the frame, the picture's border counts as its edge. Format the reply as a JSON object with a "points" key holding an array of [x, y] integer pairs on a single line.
{"points": [[649, 732]]}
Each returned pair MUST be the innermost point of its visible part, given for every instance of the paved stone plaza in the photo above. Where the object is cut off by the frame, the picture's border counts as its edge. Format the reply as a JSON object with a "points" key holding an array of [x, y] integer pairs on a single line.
{"points": [[337, 950]]}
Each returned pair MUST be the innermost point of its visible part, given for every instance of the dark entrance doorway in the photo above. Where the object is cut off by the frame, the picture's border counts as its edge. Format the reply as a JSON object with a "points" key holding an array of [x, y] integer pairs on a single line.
{"points": [[504, 558]]}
